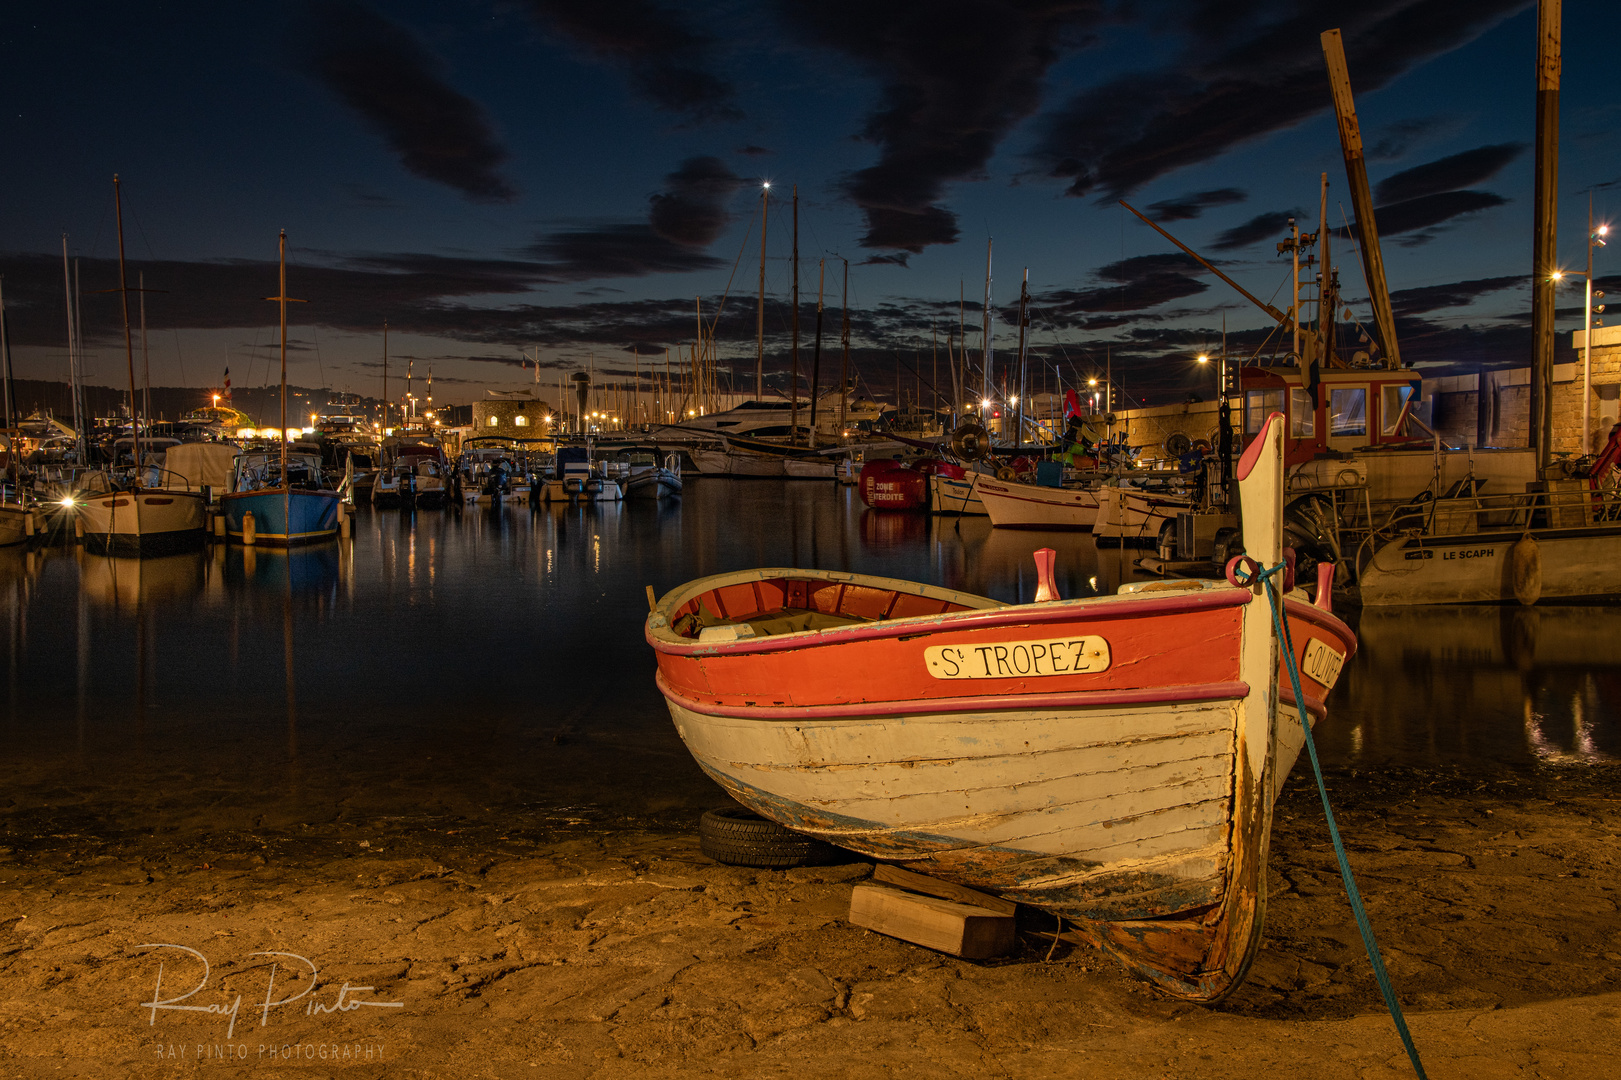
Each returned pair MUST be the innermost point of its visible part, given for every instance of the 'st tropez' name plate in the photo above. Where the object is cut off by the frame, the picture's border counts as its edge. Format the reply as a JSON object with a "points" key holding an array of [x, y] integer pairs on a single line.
{"points": [[1015, 659]]}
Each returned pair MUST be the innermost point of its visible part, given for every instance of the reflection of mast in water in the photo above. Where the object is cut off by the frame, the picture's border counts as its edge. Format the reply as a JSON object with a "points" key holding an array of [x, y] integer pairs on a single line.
{"points": [[83, 673]]}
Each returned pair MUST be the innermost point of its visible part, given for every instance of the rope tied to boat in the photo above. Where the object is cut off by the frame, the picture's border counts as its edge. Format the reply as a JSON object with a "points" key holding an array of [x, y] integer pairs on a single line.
{"points": [[1244, 571]]}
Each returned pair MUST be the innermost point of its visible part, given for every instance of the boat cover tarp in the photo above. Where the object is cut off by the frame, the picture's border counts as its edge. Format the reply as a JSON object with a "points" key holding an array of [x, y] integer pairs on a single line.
{"points": [[199, 464]]}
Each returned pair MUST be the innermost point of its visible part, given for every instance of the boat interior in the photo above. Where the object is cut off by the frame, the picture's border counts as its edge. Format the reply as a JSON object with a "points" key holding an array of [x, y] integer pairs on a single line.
{"points": [[773, 606]]}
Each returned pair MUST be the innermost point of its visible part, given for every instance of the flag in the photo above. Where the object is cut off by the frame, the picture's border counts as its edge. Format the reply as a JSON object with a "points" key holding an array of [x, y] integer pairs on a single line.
{"points": [[227, 384]]}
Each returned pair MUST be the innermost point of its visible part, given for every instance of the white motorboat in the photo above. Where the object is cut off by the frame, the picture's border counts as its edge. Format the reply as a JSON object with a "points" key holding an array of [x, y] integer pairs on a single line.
{"points": [[1013, 505]]}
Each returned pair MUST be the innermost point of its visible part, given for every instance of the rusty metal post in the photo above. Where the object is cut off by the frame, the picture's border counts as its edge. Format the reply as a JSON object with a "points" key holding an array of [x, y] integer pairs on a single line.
{"points": [[1543, 238]]}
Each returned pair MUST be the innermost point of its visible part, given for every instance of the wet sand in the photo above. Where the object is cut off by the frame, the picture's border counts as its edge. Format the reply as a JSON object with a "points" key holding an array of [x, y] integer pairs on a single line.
{"points": [[536, 943]]}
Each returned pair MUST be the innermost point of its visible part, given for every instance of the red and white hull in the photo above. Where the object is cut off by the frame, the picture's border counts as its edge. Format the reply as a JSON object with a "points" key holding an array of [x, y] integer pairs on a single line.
{"points": [[1112, 759]]}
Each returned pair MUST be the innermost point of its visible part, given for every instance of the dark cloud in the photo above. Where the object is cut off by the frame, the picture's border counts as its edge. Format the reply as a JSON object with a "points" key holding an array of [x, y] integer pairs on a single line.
{"points": [[897, 258], [631, 250], [1447, 174], [1393, 141], [1417, 301], [753, 151], [691, 210], [1247, 71], [667, 60], [1426, 212], [1194, 203], [381, 71], [1138, 283], [1271, 226], [957, 76]]}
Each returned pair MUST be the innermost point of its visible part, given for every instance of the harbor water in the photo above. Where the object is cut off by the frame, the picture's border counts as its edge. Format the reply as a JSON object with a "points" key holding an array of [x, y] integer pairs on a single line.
{"points": [[489, 663]]}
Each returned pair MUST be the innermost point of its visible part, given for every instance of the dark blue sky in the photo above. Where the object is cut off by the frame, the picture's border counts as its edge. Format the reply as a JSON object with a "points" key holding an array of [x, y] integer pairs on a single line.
{"points": [[501, 175]]}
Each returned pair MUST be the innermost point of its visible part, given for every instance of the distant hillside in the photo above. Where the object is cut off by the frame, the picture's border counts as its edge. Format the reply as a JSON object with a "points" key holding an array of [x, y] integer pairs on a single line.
{"points": [[172, 402]]}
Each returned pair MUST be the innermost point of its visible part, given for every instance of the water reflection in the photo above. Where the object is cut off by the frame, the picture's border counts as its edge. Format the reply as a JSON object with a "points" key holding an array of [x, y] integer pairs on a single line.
{"points": [[1474, 683], [457, 661]]}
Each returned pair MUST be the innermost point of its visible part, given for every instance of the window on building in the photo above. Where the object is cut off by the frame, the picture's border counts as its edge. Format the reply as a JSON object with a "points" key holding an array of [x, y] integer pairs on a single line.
{"points": [[494, 421], [1302, 415], [1392, 399], [1258, 405], [520, 421], [1348, 413]]}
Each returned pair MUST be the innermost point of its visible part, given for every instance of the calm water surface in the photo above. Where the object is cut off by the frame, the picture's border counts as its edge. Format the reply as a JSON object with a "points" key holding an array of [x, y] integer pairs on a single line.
{"points": [[452, 664]]}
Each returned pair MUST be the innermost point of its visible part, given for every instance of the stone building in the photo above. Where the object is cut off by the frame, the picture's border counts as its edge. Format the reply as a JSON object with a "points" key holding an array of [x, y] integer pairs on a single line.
{"points": [[516, 414]]}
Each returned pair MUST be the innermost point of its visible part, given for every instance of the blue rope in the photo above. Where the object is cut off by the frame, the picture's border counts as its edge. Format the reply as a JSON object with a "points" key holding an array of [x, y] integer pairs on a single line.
{"points": [[1380, 975]]}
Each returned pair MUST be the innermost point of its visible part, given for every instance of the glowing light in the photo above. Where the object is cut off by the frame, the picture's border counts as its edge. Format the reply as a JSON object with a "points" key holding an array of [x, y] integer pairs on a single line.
{"points": [[68, 502], [985, 404], [767, 185], [1558, 275], [1014, 400], [1091, 382], [1203, 358]]}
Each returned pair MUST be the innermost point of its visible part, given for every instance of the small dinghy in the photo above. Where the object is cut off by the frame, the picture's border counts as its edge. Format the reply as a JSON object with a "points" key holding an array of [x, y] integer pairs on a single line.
{"points": [[1113, 760]]}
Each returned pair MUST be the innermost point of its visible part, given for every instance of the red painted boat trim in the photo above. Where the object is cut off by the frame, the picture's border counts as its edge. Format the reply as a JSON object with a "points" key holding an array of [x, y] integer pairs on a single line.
{"points": [[1315, 706], [1252, 453], [1221, 691], [1101, 608], [1311, 613]]}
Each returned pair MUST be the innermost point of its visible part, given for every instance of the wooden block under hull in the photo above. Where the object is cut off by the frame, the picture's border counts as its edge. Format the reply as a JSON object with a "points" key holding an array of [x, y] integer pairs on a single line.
{"points": [[973, 933]]}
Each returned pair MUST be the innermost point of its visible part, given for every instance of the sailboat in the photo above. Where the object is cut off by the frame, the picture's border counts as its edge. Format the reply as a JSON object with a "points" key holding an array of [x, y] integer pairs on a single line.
{"points": [[289, 505], [133, 519]]}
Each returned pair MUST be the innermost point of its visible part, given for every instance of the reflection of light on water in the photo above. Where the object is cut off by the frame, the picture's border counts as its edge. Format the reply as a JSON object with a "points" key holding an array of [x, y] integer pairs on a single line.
{"points": [[1093, 582], [1356, 740], [596, 554], [1583, 749]]}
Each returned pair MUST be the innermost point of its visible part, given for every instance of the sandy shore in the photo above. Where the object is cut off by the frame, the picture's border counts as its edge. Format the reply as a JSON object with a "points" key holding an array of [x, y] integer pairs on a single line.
{"points": [[551, 948]]}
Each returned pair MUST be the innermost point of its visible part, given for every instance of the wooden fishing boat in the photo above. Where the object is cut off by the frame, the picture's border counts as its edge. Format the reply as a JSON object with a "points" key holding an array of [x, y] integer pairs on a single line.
{"points": [[1113, 760], [1012, 505]]}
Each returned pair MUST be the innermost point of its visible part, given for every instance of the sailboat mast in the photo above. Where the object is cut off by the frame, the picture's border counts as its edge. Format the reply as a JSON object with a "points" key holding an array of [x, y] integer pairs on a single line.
{"points": [[129, 346], [985, 342], [844, 370], [385, 377], [1024, 359], [759, 320], [281, 297], [73, 356], [816, 353], [146, 359], [5, 344], [793, 382]]}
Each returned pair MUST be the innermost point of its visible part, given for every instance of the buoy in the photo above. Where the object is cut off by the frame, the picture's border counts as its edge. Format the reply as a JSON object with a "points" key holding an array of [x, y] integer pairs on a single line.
{"points": [[250, 531], [1525, 566]]}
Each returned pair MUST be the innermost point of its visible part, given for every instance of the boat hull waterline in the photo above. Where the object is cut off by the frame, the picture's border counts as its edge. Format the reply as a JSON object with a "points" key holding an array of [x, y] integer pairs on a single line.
{"points": [[282, 517], [143, 522]]}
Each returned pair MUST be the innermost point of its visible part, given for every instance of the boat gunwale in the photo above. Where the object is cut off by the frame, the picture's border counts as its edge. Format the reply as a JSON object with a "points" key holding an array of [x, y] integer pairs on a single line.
{"points": [[992, 613]]}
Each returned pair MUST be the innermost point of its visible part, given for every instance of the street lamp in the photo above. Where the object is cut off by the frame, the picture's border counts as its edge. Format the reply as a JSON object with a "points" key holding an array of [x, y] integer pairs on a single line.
{"points": [[1597, 237]]}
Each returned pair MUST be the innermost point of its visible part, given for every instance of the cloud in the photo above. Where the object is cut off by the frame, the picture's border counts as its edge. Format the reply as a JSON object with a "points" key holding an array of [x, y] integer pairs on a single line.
{"points": [[381, 71], [1194, 203], [1447, 174], [1394, 140], [692, 208], [666, 59], [1260, 227], [1138, 283], [1426, 212], [753, 151], [897, 258], [1417, 301], [629, 250], [1246, 71], [956, 77]]}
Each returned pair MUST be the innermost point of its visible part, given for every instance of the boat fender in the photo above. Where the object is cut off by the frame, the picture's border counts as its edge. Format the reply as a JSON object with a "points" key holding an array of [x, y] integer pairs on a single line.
{"points": [[250, 529], [28, 524], [1525, 562], [1006, 472], [1046, 587]]}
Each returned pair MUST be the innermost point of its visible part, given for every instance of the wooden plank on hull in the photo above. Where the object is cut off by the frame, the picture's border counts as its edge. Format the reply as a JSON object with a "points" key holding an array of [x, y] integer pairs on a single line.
{"points": [[973, 933]]}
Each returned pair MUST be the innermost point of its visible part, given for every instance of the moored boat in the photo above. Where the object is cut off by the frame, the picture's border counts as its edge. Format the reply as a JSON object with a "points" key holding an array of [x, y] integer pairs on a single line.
{"points": [[1113, 760], [1012, 505]]}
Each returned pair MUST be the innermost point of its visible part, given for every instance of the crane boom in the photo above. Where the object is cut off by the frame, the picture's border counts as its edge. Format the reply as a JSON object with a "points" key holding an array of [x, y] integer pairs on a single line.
{"points": [[1356, 171]]}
